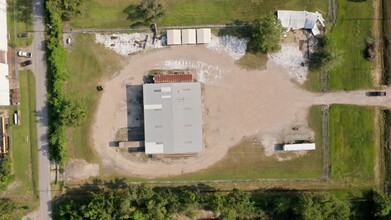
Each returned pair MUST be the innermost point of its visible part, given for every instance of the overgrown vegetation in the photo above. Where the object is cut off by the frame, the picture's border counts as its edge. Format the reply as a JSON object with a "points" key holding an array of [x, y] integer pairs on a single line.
{"points": [[326, 56], [352, 142], [58, 105], [266, 35], [7, 208], [5, 172], [117, 200]]}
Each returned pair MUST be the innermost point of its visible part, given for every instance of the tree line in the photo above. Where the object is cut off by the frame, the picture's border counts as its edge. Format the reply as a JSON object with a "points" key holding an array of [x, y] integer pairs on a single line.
{"points": [[62, 112], [144, 202]]}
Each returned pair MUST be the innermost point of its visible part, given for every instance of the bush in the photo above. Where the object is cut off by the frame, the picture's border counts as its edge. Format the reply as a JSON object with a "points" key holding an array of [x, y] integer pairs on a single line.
{"points": [[266, 35], [5, 172]]}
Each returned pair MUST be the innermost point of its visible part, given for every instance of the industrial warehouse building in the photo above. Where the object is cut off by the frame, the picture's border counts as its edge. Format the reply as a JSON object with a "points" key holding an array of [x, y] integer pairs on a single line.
{"points": [[173, 118], [4, 82]]}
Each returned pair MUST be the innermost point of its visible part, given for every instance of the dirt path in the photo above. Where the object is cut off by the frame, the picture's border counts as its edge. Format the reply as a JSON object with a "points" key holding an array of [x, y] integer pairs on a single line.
{"points": [[377, 34], [236, 103]]}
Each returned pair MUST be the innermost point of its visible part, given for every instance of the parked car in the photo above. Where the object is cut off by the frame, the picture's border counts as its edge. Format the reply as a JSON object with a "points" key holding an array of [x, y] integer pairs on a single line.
{"points": [[21, 35], [26, 63], [24, 54], [375, 93]]}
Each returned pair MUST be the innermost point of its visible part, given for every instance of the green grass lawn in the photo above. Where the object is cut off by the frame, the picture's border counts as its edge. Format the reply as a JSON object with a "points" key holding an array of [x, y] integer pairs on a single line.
{"points": [[109, 14], [247, 160], [351, 31], [87, 64], [352, 142], [24, 145], [23, 19]]}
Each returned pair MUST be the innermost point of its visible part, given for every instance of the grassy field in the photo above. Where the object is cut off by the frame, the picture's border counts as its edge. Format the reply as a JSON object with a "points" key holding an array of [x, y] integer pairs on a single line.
{"points": [[24, 146], [351, 32], [352, 142], [247, 160], [189, 12], [87, 64], [23, 18]]}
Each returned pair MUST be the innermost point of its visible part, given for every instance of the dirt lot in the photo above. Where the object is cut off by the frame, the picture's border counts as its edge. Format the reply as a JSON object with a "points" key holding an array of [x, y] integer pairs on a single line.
{"points": [[236, 103]]}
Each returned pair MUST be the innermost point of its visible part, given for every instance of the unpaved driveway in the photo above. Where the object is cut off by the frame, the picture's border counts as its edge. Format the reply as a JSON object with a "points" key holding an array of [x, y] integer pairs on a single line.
{"points": [[238, 103]]}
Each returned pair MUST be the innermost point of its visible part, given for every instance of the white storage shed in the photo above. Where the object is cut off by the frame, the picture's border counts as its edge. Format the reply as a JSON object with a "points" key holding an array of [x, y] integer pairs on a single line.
{"points": [[174, 37], [188, 36], [204, 36]]}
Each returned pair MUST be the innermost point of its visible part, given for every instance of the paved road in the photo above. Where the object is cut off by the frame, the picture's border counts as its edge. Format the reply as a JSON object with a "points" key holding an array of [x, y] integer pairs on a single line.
{"points": [[39, 62]]}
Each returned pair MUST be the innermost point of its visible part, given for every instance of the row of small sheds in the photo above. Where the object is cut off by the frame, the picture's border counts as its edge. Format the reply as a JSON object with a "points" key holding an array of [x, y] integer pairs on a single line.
{"points": [[189, 36]]}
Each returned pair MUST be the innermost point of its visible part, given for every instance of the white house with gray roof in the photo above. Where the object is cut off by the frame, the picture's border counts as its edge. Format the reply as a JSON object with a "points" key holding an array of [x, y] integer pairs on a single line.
{"points": [[173, 118]]}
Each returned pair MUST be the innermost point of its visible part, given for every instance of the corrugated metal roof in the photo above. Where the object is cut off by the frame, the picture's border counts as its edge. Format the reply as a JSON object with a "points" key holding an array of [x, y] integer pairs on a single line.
{"points": [[174, 37], [176, 128], [170, 78], [4, 85], [204, 36], [300, 19], [3, 26]]}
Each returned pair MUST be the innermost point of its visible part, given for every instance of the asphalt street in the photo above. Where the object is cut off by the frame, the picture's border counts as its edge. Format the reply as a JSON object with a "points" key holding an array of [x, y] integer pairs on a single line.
{"points": [[39, 69]]}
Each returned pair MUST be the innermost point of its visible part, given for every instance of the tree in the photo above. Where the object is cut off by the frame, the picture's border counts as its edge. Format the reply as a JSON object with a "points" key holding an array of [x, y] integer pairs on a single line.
{"points": [[6, 209], [326, 54], [381, 204], [72, 113], [321, 206], [266, 35], [151, 10], [235, 205]]}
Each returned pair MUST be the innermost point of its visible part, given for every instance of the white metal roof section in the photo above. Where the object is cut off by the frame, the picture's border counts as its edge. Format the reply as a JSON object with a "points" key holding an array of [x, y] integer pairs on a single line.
{"points": [[300, 19], [204, 36], [296, 147], [176, 127], [174, 37], [4, 85], [188, 36], [3, 26]]}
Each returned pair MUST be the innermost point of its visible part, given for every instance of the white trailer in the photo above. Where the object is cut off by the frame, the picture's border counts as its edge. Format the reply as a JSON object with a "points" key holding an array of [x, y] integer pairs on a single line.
{"points": [[297, 147]]}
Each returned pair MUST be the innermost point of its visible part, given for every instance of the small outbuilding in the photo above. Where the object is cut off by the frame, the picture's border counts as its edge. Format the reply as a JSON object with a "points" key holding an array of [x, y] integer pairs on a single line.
{"points": [[301, 20], [297, 147], [188, 36], [204, 36], [174, 37]]}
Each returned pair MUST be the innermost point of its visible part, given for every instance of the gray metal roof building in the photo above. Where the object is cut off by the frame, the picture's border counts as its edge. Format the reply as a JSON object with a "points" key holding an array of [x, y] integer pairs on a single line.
{"points": [[172, 118]]}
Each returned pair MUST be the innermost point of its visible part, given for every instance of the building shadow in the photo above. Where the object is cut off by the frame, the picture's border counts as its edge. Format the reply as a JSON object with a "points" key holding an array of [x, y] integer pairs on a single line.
{"points": [[135, 112]]}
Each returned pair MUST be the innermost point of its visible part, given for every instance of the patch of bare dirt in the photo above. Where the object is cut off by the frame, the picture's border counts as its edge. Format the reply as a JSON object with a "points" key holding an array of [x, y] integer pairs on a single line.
{"points": [[237, 103], [377, 30], [79, 170], [34, 215]]}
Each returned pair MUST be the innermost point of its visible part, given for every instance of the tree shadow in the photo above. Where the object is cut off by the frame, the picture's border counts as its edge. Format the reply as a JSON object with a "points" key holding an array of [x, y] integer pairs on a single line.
{"points": [[238, 28]]}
